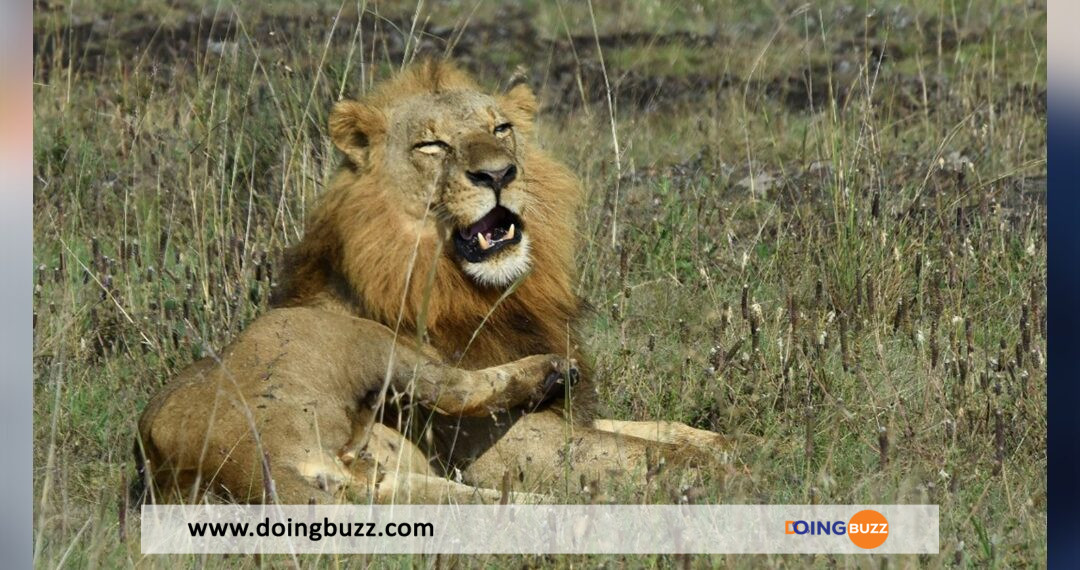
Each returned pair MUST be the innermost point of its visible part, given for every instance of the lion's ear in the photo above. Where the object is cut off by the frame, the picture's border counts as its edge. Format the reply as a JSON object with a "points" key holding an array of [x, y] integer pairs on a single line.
{"points": [[520, 101], [354, 127]]}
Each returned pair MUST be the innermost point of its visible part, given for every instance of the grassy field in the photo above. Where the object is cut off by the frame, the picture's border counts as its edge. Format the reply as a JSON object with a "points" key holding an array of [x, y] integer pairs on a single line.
{"points": [[820, 225]]}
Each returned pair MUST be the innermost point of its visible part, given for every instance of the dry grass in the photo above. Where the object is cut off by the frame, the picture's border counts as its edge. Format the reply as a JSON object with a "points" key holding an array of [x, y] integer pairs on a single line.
{"points": [[830, 234]]}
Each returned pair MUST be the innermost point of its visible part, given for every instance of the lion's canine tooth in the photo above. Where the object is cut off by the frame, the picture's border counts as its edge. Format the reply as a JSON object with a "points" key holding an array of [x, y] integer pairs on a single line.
{"points": [[483, 241], [509, 233]]}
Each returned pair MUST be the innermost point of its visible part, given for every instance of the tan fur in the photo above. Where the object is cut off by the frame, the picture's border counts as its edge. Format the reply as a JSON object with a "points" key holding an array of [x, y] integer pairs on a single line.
{"points": [[378, 256], [288, 397]]}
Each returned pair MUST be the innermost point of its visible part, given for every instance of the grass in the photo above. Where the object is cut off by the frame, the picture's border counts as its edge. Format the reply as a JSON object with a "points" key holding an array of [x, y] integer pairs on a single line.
{"points": [[829, 233]]}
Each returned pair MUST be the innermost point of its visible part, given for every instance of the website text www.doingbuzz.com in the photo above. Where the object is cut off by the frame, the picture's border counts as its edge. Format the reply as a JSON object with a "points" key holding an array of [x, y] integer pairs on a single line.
{"points": [[313, 531]]}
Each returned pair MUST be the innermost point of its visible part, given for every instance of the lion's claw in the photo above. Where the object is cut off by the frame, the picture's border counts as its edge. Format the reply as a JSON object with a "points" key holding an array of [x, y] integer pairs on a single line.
{"points": [[553, 379], [554, 385], [574, 374]]}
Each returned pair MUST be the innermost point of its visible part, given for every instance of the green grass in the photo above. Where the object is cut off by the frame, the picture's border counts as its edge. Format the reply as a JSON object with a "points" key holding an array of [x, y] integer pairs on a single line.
{"points": [[809, 249]]}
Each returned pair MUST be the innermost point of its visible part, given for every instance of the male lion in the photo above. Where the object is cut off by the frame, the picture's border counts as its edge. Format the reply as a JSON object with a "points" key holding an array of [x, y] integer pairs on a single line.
{"points": [[442, 250]]}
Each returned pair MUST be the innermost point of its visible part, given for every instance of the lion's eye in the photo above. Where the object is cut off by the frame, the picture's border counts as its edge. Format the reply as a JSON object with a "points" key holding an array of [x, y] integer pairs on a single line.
{"points": [[431, 147], [503, 129]]}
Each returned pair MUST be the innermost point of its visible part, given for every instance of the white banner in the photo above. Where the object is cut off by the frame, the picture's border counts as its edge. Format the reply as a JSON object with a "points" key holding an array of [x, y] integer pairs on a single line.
{"points": [[540, 529]]}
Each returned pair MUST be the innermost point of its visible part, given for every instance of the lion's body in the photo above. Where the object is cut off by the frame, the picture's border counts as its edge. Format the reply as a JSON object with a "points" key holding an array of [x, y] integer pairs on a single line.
{"points": [[288, 397], [377, 268]]}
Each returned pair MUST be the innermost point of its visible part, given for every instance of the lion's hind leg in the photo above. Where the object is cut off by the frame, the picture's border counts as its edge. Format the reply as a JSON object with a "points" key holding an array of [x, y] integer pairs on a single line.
{"points": [[419, 488], [544, 449], [675, 433], [386, 467]]}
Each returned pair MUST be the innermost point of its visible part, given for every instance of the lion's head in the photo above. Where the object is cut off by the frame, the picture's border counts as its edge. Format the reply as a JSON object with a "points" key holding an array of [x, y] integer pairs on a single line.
{"points": [[457, 156], [442, 203]]}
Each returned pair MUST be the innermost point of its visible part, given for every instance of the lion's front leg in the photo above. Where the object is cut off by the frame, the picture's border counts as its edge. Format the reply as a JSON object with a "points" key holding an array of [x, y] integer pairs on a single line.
{"points": [[525, 382]]}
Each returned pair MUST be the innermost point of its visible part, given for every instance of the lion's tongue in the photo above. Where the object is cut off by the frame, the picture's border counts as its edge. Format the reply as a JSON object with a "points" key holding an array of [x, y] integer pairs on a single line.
{"points": [[484, 225]]}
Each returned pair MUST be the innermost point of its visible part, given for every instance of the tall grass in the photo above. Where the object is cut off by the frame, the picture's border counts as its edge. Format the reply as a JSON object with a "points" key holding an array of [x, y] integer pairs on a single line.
{"points": [[830, 237]]}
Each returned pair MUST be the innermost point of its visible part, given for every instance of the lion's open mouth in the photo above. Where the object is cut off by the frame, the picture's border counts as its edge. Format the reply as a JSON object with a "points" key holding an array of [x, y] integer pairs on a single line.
{"points": [[490, 234]]}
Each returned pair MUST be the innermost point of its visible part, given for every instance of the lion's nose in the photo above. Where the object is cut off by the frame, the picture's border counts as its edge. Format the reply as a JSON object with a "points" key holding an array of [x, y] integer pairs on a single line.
{"points": [[494, 179]]}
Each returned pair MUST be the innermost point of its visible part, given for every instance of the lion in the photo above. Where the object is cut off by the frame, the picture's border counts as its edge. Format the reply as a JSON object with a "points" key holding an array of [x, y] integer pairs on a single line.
{"points": [[422, 345]]}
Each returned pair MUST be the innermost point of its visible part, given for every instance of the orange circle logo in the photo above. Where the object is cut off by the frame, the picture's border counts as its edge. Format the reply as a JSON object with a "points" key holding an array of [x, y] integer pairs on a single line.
{"points": [[868, 529]]}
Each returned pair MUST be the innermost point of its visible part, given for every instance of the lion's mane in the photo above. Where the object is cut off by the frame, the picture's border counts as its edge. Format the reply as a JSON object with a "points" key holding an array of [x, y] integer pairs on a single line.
{"points": [[360, 253]]}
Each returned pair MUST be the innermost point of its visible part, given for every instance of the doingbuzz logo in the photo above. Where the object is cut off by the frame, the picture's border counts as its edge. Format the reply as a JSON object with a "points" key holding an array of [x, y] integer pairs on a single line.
{"points": [[867, 529]]}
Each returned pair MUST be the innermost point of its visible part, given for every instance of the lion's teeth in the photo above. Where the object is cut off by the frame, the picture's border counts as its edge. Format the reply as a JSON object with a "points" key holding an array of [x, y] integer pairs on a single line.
{"points": [[509, 232], [483, 241]]}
